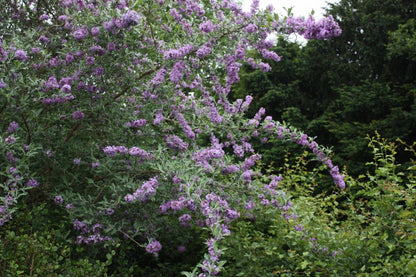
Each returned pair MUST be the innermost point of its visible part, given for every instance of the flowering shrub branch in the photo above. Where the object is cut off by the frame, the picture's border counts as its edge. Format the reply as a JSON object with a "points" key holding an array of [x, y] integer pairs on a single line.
{"points": [[131, 117]]}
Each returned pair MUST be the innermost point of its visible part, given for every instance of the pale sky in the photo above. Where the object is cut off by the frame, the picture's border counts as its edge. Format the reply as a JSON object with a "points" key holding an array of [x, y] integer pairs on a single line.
{"points": [[300, 7]]}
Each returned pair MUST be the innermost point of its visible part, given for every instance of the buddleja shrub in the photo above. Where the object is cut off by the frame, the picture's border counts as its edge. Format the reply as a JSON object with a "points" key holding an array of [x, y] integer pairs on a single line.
{"points": [[118, 111]]}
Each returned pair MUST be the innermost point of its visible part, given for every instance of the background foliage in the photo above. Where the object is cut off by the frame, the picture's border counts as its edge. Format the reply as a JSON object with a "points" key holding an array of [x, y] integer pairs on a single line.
{"points": [[342, 89]]}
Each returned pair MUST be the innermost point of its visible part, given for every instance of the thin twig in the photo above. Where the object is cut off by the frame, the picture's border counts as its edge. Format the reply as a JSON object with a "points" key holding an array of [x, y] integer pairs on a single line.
{"points": [[130, 238]]}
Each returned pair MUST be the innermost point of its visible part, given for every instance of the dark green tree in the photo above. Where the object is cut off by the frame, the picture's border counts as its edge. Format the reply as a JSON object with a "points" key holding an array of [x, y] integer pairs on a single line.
{"points": [[342, 89]]}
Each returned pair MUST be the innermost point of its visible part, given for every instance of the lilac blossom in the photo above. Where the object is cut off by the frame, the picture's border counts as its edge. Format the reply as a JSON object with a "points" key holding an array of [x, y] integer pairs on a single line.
{"points": [[138, 123], [10, 140], [206, 27], [153, 247], [136, 151], [78, 115], [20, 55], [44, 17], [66, 88], [176, 143], [90, 60], [110, 150], [59, 200], [176, 54], [95, 31], [32, 183], [80, 34], [130, 18], [251, 28], [13, 126], [43, 39], [203, 51]]}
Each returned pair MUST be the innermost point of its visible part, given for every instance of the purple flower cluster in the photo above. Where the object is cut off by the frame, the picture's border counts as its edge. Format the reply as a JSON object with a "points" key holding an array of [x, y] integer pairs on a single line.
{"points": [[20, 55], [206, 27], [158, 118], [130, 18], [136, 151], [176, 143], [185, 126], [10, 140], [176, 54], [95, 31], [80, 34], [177, 205], [251, 28], [13, 126], [32, 183], [138, 123], [159, 77], [59, 200], [153, 247], [323, 29], [133, 151], [78, 115], [207, 156], [184, 220], [56, 99], [89, 235], [147, 189], [176, 74], [203, 51]]}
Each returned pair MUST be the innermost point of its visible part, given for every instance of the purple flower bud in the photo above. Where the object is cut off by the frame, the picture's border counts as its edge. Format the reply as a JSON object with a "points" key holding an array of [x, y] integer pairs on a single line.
{"points": [[44, 39], [95, 31], [66, 88], [10, 140], [20, 55], [129, 198], [32, 183], [69, 207], [13, 126], [299, 227], [59, 200], [90, 60], [80, 34], [78, 115], [44, 17], [130, 18], [251, 28], [69, 58], [153, 247]]}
